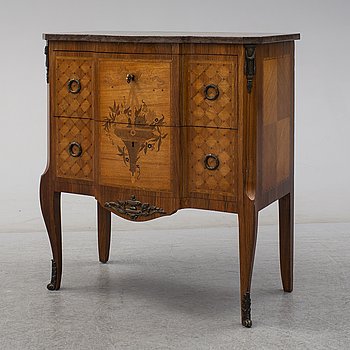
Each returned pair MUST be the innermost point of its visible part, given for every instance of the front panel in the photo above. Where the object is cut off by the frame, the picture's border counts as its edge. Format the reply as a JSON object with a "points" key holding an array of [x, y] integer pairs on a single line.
{"points": [[211, 169], [74, 90], [136, 115], [74, 148], [211, 85]]}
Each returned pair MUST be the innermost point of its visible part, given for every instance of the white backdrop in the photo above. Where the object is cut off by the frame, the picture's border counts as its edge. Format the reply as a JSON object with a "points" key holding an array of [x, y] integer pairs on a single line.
{"points": [[322, 95]]}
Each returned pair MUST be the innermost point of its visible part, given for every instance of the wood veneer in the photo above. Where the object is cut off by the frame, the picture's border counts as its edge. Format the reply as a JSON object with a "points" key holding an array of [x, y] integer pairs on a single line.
{"points": [[202, 121]]}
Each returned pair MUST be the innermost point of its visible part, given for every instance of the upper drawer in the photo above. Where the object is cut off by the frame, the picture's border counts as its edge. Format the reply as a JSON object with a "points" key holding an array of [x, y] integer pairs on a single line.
{"points": [[138, 90], [211, 91], [73, 87]]}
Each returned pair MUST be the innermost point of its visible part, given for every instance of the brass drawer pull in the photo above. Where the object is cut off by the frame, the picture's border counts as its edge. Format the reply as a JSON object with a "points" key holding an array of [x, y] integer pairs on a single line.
{"points": [[130, 78], [211, 92], [74, 86], [74, 149], [211, 161]]}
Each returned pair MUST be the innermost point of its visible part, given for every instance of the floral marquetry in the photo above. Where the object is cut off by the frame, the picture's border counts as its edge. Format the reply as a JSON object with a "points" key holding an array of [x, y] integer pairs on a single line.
{"points": [[135, 113], [140, 131]]}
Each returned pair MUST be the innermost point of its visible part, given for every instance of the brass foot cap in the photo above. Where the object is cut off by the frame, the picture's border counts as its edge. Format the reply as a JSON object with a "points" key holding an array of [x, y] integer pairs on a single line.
{"points": [[51, 286], [247, 323]]}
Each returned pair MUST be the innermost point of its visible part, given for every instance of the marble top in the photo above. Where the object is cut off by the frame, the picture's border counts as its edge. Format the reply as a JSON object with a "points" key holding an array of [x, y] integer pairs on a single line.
{"points": [[174, 37]]}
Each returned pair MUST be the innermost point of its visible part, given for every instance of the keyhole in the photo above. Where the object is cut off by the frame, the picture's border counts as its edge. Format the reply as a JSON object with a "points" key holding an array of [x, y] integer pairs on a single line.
{"points": [[132, 144]]}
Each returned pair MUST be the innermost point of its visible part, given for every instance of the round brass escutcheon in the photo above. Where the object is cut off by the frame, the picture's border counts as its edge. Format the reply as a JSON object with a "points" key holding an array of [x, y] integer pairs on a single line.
{"points": [[130, 78], [211, 92], [74, 86], [211, 161], [74, 149]]}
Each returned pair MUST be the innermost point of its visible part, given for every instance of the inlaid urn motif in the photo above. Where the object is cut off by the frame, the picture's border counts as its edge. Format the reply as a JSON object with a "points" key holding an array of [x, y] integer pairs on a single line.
{"points": [[140, 130]]}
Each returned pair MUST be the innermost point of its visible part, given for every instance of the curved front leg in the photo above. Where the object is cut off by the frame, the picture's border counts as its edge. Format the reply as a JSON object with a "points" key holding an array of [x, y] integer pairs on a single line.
{"points": [[50, 202]]}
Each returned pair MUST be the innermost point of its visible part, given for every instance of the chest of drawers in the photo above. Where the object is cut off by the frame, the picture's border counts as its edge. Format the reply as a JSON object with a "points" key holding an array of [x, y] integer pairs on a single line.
{"points": [[152, 123]]}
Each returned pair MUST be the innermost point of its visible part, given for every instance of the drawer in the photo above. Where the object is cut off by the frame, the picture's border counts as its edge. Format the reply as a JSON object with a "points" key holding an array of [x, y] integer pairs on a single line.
{"points": [[138, 156], [211, 91], [133, 85], [211, 169], [73, 87], [74, 148]]}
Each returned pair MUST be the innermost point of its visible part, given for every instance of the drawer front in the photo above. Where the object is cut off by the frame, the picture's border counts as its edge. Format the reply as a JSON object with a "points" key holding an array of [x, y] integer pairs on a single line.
{"points": [[211, 91], [137, 157], [211, 163], [131, 83], [136, 140], [73, 87], [74, 148]]}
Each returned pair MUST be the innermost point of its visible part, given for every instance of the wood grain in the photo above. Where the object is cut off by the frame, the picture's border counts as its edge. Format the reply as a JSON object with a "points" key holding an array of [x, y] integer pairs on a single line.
{"points": [[136, 148], [113, 48], [152, 170], [70, 104], [248, 226], [104, 232], [201, 71], [50, 202], [251, 133], [152, 85], [275, 79], [247, 191], [286, 240], [77, 130], [220, 183]]}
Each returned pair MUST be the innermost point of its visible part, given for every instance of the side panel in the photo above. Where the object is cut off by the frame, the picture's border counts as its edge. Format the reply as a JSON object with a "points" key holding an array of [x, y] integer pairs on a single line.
{"points": [[275, 80]]}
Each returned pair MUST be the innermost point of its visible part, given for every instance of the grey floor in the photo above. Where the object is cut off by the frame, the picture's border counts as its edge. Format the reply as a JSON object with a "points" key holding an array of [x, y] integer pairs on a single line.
{"points": [[174, 287]]}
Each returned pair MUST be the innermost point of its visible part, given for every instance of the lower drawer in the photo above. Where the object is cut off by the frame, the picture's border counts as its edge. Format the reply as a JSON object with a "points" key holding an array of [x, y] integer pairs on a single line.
{"points": [[211, 169], [209, 160], [74, 148]]}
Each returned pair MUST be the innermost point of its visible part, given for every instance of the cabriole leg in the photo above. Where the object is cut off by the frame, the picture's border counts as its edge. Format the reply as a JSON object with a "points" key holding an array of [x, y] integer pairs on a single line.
{"points": [[50, 202]]}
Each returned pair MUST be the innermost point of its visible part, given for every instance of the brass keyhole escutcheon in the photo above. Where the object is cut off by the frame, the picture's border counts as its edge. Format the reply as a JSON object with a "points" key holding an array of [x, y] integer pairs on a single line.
{"points": [[211, 92], [74, 86], [75, 149], [130, 78], [211, 161]]}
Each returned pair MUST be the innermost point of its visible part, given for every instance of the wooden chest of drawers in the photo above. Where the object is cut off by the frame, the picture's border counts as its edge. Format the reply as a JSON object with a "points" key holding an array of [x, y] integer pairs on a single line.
{"points": [[152, 123]]}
